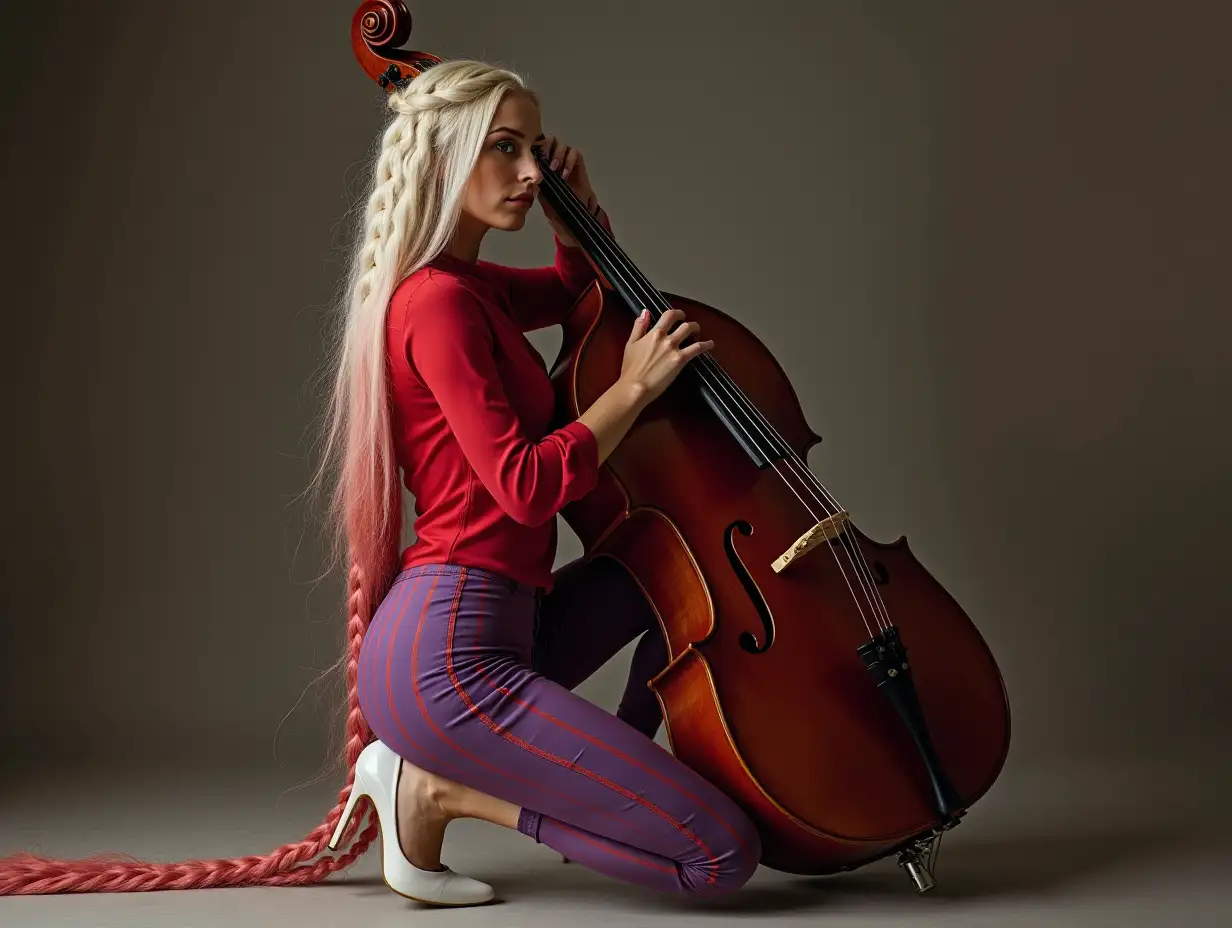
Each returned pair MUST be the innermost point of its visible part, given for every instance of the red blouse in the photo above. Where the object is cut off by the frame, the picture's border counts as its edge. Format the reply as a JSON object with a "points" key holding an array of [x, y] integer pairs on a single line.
{"points": [[471, 404]]}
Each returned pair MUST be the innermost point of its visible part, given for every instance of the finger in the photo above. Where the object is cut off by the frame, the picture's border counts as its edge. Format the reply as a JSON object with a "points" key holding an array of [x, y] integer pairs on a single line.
{"points": [[669, 319], [683, 331], [558, 153], [639, 326], [546, 146], [571, 160], [693, 350]]}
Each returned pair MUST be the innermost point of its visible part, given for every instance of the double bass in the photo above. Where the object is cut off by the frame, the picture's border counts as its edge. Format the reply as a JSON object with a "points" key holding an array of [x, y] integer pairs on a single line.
{"points": [[827, 682]]}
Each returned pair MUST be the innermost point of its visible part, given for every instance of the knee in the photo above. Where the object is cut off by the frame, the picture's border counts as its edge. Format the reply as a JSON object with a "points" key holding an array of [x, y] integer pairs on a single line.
{"points": [[747, 858], [733, 865]]}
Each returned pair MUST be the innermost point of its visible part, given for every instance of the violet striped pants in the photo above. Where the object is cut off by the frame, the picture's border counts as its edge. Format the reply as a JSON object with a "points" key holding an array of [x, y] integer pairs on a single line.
{"points": [[468, 674]]}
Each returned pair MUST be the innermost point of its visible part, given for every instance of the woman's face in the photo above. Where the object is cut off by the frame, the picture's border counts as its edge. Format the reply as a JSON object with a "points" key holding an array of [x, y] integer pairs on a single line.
{"points": [[505, 179]]}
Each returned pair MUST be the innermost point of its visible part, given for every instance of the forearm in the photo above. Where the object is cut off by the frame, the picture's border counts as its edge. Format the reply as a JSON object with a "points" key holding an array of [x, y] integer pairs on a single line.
{"points": [[613, 414]]}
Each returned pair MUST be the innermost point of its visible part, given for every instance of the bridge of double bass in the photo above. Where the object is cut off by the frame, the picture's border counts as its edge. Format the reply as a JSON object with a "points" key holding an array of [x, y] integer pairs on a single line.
{"points": [[825, 530]]}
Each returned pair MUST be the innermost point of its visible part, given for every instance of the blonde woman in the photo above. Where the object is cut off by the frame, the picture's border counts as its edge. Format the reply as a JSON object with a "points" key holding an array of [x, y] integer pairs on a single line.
{"points": [[464, 669]]}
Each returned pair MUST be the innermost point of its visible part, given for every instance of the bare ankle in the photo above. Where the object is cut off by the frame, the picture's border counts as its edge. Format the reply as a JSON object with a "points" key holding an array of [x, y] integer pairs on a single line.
{"points": [[456, 800], [442, 794], [436, 792]]}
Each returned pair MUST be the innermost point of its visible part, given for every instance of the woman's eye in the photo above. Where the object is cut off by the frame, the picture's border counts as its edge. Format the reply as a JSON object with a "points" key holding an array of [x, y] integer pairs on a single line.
{"points": [[509, 150]]}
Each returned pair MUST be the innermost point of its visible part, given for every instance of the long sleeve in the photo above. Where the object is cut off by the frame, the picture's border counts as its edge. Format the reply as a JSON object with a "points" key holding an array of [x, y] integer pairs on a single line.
{"points": [[451, 346], [543, 296]]}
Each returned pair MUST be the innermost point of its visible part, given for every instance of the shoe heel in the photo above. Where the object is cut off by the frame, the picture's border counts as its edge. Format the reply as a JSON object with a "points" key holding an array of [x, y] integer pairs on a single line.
{"points": [[378, 769], [357, 791]]}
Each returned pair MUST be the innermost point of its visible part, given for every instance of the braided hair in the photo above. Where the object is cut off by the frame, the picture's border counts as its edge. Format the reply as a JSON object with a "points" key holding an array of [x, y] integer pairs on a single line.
{"points": [[423, 160]]}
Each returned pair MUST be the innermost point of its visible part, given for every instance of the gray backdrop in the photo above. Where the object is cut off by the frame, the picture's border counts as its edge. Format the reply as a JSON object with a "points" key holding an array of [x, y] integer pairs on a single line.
{"points": [[987, 241]]}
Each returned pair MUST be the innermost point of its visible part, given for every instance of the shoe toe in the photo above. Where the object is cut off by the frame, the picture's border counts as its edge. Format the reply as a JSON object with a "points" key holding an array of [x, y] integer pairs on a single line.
{"points": [[462, 890]]}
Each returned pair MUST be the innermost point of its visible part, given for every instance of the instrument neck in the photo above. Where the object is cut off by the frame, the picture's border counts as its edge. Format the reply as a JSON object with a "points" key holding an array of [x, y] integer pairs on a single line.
{"points": [[763, 444]]}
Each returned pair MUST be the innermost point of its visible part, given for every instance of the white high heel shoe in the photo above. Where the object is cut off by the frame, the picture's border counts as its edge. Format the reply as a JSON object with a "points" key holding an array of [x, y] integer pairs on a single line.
{"points": [[376, 776]]}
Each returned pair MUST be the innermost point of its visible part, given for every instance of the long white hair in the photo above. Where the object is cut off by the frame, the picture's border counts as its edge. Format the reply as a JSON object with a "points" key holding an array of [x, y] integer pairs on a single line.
{"points": [[424, 160], [422, 166], [426, 156]]}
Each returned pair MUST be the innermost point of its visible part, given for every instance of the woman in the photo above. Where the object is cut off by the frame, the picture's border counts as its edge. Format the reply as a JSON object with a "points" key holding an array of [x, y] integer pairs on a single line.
{"points": [[470, 722], [465, 670]]}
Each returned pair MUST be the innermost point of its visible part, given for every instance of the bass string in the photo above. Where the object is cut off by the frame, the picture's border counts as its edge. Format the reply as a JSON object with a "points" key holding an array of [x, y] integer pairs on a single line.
{"points": [[713, 374], [624, 269]]}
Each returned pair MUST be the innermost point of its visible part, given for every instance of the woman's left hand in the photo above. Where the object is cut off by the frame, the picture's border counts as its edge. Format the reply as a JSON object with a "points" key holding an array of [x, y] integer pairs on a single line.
{"points": [[572, 168]]}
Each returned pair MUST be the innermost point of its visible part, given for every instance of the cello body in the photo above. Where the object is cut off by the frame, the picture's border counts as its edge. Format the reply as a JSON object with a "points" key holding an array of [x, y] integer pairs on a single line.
{"points": [[797, 733], [826, 682]]}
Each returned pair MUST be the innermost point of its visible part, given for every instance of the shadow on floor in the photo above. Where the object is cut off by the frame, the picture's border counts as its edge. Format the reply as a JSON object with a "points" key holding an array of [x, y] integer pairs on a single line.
{"points": [[1033, 865], [979, 869]]}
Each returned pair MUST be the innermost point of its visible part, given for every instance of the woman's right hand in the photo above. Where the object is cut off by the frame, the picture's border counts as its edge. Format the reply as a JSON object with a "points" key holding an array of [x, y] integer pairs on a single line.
{"points": [[653, 356]]}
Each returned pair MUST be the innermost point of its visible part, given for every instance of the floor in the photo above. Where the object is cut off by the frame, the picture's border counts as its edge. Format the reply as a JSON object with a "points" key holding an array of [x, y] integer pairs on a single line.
{"points": [[1104, 844]]}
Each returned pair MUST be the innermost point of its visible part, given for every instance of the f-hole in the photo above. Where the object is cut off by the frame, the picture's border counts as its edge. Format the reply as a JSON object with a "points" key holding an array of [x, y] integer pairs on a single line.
{"points": [[748, 640]]}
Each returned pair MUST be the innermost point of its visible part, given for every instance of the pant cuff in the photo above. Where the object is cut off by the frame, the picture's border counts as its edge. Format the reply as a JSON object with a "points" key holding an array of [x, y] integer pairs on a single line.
{"points": [[528, 823]]}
